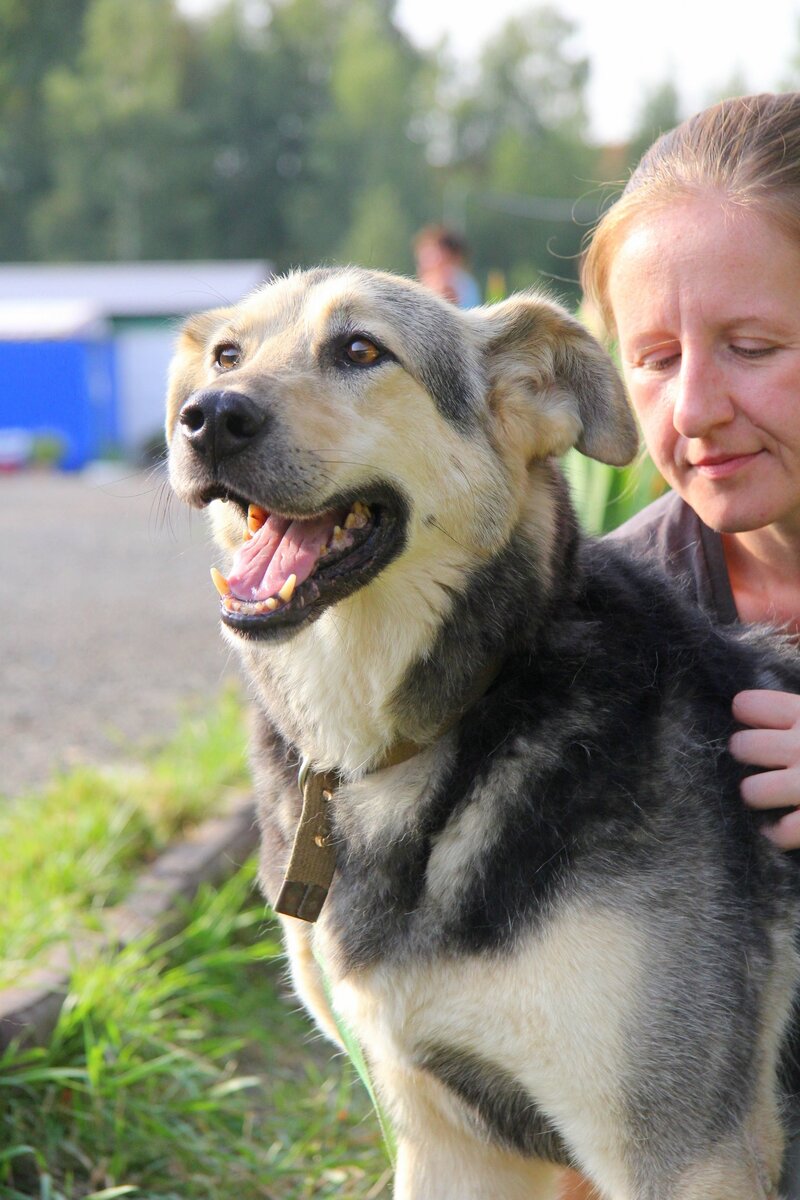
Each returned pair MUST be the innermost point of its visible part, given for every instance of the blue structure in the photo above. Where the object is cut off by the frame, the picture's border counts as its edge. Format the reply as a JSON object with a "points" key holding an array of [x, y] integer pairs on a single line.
{"points": [[85, 347], [64, 387]]}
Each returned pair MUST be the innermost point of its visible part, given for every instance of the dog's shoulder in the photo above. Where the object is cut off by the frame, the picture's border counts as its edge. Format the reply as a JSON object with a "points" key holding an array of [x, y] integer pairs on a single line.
{"points": [[641, 611]]}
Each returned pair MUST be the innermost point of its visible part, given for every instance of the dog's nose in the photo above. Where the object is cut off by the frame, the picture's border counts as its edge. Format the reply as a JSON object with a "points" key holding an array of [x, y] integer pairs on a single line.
{"points": [[219, 424]]}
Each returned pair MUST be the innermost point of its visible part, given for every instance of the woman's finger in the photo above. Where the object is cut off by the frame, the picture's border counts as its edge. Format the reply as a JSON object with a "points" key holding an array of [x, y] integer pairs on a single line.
{"points": [[767, 709], [765, 747], [772, 789], [786, 832]]}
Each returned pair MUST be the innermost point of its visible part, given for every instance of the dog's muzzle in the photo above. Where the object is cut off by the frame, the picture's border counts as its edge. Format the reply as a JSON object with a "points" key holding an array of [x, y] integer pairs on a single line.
{"points": [[293, 565]]}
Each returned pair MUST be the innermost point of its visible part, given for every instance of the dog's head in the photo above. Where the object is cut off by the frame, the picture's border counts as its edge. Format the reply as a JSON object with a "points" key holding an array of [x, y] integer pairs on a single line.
{"points": [[350, 419]]}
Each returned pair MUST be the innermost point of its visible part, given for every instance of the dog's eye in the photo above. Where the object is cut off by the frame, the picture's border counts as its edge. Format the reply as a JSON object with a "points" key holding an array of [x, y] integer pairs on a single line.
{"points": [[227, 357], [362, 352]]}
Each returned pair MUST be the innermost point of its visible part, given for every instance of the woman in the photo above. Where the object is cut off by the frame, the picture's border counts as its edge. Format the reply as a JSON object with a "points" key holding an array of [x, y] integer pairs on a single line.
{"points": [[696, 272]]}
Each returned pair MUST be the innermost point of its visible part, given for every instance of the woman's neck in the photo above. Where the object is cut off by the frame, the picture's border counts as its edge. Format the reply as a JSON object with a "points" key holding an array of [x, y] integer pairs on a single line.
{"points": [[764, 571]]}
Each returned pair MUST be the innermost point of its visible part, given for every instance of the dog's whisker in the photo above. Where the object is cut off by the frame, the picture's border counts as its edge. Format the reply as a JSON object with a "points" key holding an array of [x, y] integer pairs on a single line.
{"points": [[163, 510], [436, 525]]}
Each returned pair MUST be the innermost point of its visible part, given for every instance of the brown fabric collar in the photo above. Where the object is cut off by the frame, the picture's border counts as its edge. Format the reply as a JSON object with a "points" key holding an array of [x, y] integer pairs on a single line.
{"points": [[312, 862]]}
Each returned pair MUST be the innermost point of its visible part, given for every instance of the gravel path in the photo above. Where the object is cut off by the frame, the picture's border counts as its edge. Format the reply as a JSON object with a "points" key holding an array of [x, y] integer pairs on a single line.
{"points": [[108, 625]]}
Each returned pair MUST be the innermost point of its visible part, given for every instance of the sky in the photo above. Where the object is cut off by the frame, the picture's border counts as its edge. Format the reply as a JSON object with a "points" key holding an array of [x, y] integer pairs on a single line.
{"points": [[633, 45]]}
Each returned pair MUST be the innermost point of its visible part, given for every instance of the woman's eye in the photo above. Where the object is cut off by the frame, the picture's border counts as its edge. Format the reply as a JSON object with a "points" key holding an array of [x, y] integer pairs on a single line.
{"points": [[227, 357], [655, 356], [659, 362], [362, 352], [748, 350]]}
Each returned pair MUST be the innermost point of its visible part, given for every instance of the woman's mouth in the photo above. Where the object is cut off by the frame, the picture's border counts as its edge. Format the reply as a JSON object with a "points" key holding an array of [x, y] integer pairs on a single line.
{"points": [[723, 466]]}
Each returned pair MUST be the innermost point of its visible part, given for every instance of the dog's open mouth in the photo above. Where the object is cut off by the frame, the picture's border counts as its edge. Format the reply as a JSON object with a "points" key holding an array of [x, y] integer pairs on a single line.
{"points": [[289, 569]]}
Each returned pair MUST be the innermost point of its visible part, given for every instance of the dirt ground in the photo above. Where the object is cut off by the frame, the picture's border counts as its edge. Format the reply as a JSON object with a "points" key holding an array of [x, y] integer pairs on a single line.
{"points": [[108, 625]]}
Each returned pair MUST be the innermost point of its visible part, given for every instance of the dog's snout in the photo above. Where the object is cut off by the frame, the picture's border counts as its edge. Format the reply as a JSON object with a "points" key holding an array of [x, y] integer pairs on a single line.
{"points": [[219, 424]]}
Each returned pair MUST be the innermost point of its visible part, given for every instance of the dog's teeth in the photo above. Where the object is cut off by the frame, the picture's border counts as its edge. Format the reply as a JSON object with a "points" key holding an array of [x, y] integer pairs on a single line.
{"points": [[338, 536], [256, 516], [287, 590], [355, 520], [247, 536], [262, 606], [220, 582], [361, 509]]}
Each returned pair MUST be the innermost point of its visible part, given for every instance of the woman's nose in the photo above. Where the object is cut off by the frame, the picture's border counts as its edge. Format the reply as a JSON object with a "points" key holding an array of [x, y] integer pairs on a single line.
{"points": [[702, 398]]}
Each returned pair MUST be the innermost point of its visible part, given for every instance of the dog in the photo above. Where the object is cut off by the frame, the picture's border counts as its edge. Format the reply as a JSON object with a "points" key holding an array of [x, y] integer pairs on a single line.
{"points": [[518, 847]]}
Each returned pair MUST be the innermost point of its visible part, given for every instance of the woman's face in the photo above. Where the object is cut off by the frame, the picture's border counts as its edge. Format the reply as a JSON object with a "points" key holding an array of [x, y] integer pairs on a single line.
{"points": [[706, 300]]}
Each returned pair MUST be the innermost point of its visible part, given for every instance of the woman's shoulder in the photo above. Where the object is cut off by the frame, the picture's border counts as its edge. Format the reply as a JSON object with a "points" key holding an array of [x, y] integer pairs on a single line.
{"points": [[663, 529], [670, 534]]}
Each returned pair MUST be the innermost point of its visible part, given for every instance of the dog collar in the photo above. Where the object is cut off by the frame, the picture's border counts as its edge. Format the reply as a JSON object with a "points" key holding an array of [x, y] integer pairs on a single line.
{"points": [[312, 862], [313, 859]]}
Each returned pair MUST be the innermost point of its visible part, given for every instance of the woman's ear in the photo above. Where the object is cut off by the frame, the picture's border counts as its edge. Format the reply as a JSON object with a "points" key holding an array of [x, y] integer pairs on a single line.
{"points": [[551, 380]]}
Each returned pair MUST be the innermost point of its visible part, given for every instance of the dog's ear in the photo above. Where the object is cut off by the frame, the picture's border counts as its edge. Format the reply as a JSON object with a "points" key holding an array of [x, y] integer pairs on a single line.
{"points": [[553, 383], [193, 339], [197, 329]]}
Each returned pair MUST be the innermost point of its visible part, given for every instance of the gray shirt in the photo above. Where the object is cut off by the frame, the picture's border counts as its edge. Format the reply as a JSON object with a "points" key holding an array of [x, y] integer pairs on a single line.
{"points": [[671, 534]]}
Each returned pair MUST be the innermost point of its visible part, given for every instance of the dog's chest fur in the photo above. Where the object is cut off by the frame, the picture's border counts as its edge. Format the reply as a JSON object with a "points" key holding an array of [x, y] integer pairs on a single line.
{"points": [[447, 1008], [452, 1026]]}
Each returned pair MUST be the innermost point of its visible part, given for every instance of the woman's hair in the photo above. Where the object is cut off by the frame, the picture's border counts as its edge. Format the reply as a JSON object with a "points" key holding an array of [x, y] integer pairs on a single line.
{"points": [[746, 149]]}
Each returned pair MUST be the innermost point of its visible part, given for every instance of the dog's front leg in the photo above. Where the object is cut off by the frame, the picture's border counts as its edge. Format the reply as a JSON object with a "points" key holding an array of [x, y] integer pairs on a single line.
{"points": [[307, 976], [453, 1167]]}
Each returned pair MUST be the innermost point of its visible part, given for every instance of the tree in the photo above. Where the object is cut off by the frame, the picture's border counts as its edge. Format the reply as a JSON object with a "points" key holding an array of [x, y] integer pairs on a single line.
{"points": [[520, 151], [263, 83], [528, 82], [660, 111], [35, 35], [122, 140], [368, 184]]}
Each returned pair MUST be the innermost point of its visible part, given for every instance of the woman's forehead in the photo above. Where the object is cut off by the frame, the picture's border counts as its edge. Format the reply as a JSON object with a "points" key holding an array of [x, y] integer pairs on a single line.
{"points": [[702, 248]]}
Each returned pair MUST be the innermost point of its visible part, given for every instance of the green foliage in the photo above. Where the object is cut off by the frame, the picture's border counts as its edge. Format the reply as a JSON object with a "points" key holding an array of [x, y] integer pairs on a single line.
{"points": [[521, 153], [36, 37], [606, 496], [173, 1075], [72, 850], [298, 131], [367, 185], [660, 111], [118, 137]]}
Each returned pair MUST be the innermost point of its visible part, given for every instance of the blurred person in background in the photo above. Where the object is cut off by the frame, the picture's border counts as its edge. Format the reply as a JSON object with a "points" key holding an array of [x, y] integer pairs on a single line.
{"points": [[442, 258], [695, 271]]}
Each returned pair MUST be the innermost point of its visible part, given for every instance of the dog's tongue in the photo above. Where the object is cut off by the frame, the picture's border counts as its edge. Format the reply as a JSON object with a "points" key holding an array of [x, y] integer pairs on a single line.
{"points": [[280, 548]]}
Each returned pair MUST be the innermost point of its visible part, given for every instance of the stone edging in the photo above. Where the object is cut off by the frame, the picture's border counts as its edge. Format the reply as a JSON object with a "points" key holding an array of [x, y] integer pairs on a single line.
{"points": [[209, 854]]}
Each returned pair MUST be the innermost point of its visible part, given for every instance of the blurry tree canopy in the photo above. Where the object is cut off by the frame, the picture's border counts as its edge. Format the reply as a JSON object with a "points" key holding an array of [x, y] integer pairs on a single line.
{"points": [[659, 112], [36, 37], [298, 131]]}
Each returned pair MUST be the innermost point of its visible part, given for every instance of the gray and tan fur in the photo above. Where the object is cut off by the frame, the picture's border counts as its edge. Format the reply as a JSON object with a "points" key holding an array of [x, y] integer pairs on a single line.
{"points": [[556, 931]]}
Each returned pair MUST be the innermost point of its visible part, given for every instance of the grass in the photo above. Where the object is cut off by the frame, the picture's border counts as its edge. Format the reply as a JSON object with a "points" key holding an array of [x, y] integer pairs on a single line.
{"points": [[179, 1070], [173, 1074], [72, 849]]}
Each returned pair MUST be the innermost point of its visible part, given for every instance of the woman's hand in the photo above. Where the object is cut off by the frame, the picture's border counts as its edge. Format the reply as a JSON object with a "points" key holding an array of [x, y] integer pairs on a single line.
{"points": [[773, 741]]}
